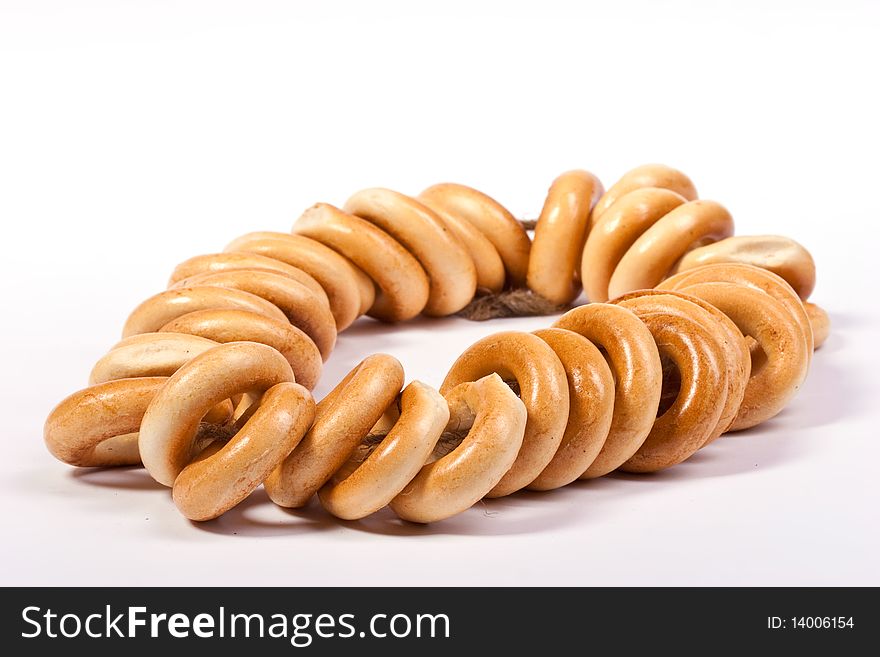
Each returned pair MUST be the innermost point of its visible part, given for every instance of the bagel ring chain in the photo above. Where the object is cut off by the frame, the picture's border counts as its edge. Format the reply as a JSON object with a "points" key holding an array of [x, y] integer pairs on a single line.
{"points": [[235, 330]]}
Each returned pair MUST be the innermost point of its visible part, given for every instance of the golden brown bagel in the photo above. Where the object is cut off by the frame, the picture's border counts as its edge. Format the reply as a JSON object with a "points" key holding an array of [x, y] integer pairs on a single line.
{"points": [[451, 272], [350, 291], [559, 236], [781, 255], [495, 420], [402, 282], [169, 430], [370, 485], [98, 426], [647, 175], [303, 308], [689, 336], [543, 388], [591, 408], [342, 420], [635, 363], [491, 219]]}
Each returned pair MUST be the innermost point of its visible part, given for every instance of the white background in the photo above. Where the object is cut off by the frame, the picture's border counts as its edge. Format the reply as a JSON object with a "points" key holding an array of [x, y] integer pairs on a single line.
{"points": [[136, 134]]}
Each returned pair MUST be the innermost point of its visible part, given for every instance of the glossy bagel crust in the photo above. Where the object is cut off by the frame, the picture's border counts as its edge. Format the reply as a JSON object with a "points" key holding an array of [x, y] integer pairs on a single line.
{"points": [[169, 430], [591, 408], [559, 236], [780, 255], [648, 175], [215, 481], [98, 426], [451, 273], [543, 387], [342, 420], [302, 307], [403, 283], [690, 338], [632, 356], [736, 357], [496, 422], [349, 290], [375, 482], [491, 219]]}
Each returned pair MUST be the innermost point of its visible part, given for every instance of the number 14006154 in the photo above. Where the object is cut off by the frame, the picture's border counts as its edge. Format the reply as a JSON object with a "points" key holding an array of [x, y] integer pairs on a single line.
{"points": [[810, 623]]}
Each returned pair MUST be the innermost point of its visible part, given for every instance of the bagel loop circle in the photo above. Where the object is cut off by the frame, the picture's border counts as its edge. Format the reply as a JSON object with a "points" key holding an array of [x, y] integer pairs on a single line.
{"points": [[688, 332]]}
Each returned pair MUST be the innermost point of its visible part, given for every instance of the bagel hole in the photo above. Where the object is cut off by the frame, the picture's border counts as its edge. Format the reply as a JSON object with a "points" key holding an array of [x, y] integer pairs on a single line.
{"points": [[696, 244], [607, 358], [362, 452], [671, 384], [759, 356], [371, 441], [243, 407], [447, 443], [210, 438], [513, 384], [388, 420]]}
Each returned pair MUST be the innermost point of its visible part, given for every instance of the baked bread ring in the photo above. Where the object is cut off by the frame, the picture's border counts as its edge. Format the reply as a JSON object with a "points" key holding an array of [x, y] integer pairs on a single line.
{"points": [[148, 354], [543, 388], [737, 357], [342, 420], [784, 355], [612, 235], [302, 307], [491, 274], [642, 226], [158, 310], [169, 430], [402, 282], [98, 426], [688, 336], [204, 386], [362, 487], [451, 272], [350, 291], [222, 475], [223, 262], [653, 255], [749, 276], [647, 175], [495, 419], [492, 219], [559, 236], [591, 408], [222, 326], [632, 356], [781, 255]]}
